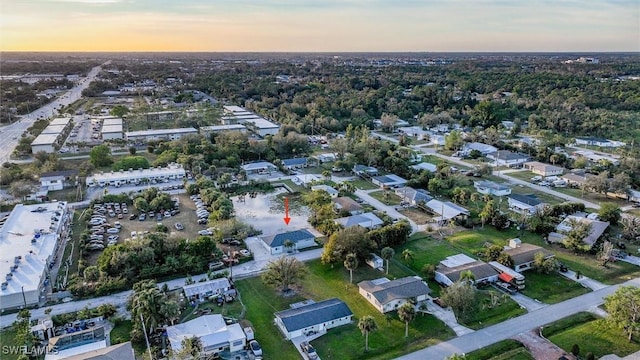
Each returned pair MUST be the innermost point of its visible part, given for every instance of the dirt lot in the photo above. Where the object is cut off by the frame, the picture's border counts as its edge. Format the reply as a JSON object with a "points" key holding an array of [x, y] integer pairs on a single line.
{"points": [[418, 216]]}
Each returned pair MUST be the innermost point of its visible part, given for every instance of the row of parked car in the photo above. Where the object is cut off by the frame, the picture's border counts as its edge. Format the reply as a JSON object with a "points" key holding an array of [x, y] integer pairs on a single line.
{"points": [[100, 230], [201, 210]]}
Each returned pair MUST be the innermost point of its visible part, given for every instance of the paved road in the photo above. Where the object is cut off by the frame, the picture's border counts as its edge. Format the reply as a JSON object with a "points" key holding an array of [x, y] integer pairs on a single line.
{"points": [[510, 328], [11, 134], [248, 269]]}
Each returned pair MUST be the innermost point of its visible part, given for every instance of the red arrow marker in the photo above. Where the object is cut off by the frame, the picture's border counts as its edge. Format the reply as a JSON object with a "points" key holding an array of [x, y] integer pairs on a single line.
{"points": [[286, 211]]}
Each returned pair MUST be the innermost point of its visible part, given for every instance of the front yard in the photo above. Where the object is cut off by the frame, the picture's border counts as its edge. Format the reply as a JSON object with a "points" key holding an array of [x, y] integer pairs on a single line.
{"points": [[386, 197], [591, 334], [545, 287], [418, 216], [503, 350], [362, 184], [490, 313], [346, 342]]}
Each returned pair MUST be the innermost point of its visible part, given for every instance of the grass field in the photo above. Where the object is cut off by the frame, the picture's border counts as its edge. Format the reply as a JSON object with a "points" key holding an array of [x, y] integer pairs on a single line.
{"points": [[588, 265], [363, 184], [386, 197], [487, 314], [121, 332], [592, 335], [7, 337], [293, 186], [546, 287], [346, 342], [503, 350], [232, 309]]}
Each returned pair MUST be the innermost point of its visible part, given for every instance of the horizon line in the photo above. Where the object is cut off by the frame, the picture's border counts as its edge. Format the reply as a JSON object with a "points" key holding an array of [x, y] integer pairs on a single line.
{"points": [[333, 52]]}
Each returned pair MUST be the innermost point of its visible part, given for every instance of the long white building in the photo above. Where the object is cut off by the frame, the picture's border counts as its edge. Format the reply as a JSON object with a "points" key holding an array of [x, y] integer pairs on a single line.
{"points": [[257, 124], [159, 134], [137, 176], [52, 136], [29, 240]]}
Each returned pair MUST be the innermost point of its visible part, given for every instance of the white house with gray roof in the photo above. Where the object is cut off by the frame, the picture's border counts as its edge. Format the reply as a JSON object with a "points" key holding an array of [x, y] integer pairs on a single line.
{"points": [[388, 295], [491, 188], [366, 220], [299, 239], [313, 317]]}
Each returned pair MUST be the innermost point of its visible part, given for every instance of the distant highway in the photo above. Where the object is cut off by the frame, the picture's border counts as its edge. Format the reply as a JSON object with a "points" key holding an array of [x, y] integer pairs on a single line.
{"points": [[10, 134]]}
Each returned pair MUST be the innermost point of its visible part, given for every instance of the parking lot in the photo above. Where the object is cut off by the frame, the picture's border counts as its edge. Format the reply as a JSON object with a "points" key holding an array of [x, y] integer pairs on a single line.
{"points": [[186, 217]]}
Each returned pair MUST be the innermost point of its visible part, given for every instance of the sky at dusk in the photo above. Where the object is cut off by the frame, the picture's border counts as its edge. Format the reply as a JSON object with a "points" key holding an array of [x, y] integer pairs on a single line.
{"points": [[320, 25]]}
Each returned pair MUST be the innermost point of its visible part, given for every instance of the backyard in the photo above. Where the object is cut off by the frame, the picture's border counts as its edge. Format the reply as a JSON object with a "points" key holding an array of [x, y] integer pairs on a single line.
{"points": [[323, 282], [418, 216], [591, 334]]}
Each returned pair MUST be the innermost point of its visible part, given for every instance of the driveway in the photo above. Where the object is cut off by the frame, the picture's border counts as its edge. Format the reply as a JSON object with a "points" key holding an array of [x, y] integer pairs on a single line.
{"points": [[585, 281], [631, 259], [540, 347], [510, 328], [527, 302]]}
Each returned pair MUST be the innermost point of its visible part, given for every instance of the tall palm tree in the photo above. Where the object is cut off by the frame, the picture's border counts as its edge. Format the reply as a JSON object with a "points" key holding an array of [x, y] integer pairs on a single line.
{"points": [[366, 325], [406, 313], [351, 263], [407, 255], [387, 253]]}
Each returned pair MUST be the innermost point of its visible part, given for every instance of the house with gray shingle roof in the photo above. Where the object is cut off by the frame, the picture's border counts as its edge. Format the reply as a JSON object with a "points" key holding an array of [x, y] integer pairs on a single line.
{"points": [[300, 239], [366, 220], [314, 317], [388, 295]]}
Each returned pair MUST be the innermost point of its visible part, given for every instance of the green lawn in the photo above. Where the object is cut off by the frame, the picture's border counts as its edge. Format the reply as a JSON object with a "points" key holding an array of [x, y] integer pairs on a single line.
{"points": [[363, 184], [323, 282], [597, 337], [233, 309], [551, 288], [525, 175], [294, 187], [7, 337], [503, 350], [590, 196], [488, 314], [473, 240], [549, 199], [121, 332], [387, 197]]}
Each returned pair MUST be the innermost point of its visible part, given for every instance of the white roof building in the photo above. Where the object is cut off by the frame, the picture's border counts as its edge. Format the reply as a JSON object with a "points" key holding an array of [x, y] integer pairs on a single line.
{"points": [[29, 239], [110, 132], [159, 134], [207, 288], [116, 178], [51, 137], [214, 334], [446, 209]]}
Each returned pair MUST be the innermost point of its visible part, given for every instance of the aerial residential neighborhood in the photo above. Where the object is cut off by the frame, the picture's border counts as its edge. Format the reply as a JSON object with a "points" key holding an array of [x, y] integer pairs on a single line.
{"points": [[416, 180]]}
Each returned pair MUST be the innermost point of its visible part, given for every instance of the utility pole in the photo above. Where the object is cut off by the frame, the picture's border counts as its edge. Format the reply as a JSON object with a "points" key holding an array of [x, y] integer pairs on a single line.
{"points": [[146, 338]]}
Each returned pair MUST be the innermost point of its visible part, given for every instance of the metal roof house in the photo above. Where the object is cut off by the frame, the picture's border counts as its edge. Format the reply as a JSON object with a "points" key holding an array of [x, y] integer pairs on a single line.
{"points": [[295, 163], [543, 169], [388, 295], [366, 220], [491, 188], [450, 269], [507, 158], [317, 317], [214, 334], [300, 239], [389, 181], [203, 290]]}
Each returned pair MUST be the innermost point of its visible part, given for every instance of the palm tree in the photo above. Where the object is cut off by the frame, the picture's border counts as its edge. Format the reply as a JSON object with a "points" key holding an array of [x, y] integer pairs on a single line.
{"points": [[367, 324], [387, 253], [406, 313], [407, 255], [170, 310], [288, 244], [351, 263]]}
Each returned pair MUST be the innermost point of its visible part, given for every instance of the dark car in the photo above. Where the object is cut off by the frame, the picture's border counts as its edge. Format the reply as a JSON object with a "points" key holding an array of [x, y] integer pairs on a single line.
{"points": [[439, 302], [203, 221], [309, 350], [133, 216], [562, 267], [142, 217], [621, 245]]}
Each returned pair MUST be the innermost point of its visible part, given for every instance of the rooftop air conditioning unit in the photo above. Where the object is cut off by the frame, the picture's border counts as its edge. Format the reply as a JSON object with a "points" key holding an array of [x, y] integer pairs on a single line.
{"points": [[33, 241], [14, 268], [17, 259], [9, 276], [4, 285]]}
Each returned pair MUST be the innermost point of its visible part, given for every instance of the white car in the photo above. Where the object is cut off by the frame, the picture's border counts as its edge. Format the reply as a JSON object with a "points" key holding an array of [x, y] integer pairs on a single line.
{"points": [[205, 232], [134, 234], [117, 225], [245, 252], [113, 238], [113, 230]]}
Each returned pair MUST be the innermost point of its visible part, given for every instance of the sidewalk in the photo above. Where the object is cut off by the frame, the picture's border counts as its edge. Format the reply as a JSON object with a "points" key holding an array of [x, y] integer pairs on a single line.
{"points": [[528, 303]]}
